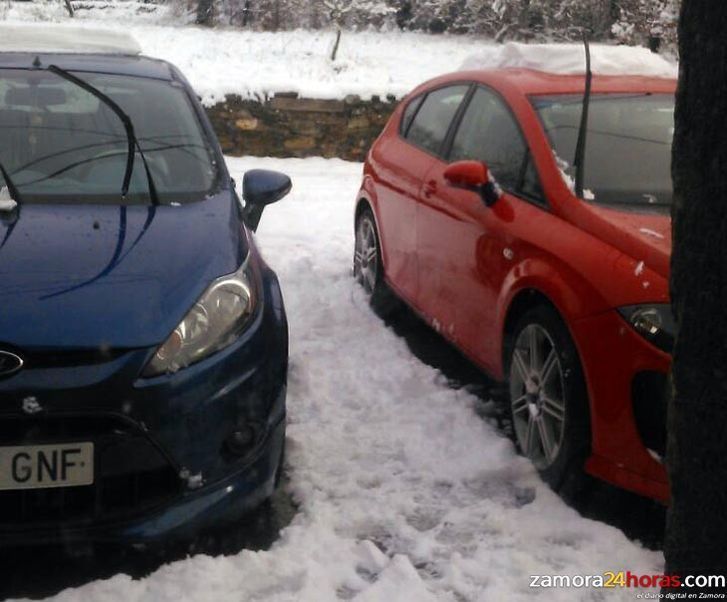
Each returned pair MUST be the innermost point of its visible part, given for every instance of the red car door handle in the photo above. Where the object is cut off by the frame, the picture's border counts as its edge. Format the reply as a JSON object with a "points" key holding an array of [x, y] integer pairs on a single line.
{"points": [[430, 188]]}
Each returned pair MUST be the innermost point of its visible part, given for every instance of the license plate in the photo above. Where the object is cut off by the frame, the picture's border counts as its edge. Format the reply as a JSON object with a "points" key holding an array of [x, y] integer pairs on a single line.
{"points": [[45, 466]]}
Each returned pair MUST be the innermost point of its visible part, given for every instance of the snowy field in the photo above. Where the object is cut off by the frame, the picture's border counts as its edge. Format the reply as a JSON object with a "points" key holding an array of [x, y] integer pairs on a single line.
{"points": [[405, 493], [258, 64]]}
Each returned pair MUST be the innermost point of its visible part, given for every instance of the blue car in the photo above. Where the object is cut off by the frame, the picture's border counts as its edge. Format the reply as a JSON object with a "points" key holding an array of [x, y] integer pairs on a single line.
{"points": [[143, 339]]}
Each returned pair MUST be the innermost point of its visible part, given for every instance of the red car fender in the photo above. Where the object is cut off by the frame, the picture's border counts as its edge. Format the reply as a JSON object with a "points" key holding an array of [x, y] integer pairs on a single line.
{"points": [[367, 194], [572, 295]]}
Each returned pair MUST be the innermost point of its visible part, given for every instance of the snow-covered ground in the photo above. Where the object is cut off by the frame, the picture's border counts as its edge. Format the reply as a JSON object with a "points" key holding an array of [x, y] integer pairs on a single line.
{"points": [[405, 493], [258, 64]]}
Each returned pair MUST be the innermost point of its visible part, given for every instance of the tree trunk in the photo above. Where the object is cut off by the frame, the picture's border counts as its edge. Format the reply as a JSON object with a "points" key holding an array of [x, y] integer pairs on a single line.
{"points": [[525, 16], [612, 17], [696, 538], [502, 33], [246, 13], [614, 11], [205, 12], [334, 53], [69, 7]]}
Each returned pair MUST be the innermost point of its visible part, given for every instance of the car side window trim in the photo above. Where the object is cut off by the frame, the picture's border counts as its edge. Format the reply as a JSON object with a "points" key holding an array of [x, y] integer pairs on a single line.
{"points": [[440, 154], [454, 127], [404, 131], [456, 121], [538, 200]]}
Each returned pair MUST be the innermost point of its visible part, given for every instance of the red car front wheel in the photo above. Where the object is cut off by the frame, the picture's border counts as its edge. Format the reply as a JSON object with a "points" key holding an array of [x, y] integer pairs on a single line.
{"points": [[548, 398]]}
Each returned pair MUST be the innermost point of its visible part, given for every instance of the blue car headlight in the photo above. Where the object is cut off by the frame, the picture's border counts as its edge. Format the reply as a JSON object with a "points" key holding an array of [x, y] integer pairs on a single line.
{"points": [[215, 322], [653, 322]]}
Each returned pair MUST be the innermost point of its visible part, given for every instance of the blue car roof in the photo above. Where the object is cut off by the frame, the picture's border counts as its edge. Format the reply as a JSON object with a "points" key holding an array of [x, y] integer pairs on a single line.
{"points": [[136, 65]]}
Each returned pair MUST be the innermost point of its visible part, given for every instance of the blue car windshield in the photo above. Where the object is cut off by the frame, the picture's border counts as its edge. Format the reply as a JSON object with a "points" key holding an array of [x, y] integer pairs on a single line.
{"points": [[628, 147], [61, 144]]}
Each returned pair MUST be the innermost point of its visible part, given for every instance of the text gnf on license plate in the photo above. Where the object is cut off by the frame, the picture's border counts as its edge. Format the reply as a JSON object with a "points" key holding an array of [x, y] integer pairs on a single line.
{"points": [[44, 466]]}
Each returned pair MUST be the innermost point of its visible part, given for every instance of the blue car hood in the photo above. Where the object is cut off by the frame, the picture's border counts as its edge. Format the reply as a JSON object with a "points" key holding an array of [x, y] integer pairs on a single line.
{"points": [[86, 276]]}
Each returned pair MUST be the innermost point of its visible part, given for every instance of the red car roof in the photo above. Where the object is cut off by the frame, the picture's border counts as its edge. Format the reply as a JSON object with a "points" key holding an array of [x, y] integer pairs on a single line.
{"points": [[531, 82]]}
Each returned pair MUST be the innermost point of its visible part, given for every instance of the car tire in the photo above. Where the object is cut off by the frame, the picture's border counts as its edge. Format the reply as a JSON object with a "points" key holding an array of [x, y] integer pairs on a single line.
{"points": [[548, 400], [368, 269]]}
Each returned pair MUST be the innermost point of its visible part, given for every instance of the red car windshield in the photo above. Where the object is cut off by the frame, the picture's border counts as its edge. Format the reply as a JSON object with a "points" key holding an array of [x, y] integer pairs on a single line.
{"points": [[628, 149]]}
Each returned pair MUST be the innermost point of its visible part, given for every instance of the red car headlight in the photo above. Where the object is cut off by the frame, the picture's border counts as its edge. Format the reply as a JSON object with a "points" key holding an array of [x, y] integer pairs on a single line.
{"points": [[653, 322]]}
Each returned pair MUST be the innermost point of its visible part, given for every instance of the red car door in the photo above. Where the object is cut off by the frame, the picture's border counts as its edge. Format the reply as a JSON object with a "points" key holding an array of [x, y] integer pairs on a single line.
{"points": [[402, 159], [409, 156], [465, 248], [398, 169], [457, 238]]}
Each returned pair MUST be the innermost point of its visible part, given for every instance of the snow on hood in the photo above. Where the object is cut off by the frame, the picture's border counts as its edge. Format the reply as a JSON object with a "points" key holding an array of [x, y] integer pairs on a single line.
{"points": [[7, 204], [569, 59]]}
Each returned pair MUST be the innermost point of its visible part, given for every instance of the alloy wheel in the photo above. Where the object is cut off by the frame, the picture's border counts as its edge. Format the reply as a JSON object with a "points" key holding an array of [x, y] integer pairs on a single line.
{"points": [[537, 396], [366, 263]]}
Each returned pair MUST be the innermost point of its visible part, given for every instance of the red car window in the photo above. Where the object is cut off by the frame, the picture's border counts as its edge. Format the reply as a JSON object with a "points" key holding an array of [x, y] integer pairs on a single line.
{"points": [[432, 121], [488, 132], [409, 112]]}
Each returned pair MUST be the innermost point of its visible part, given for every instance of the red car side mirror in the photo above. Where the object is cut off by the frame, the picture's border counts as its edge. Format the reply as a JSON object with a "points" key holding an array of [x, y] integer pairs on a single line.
{"points": [[474, 176], [467, 174]]}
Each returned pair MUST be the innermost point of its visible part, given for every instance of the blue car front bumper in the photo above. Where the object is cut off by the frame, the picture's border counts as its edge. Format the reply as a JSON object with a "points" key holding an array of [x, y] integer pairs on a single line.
{"points": [[173, 454]]}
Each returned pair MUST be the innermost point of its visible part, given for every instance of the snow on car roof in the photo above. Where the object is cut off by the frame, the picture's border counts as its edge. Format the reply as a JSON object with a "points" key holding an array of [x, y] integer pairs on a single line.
{"points": [[55, 38], [569, 59]]}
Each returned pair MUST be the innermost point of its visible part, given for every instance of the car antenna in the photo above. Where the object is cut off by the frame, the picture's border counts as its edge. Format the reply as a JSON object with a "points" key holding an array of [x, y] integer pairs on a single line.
{"points": [[579, 161], [133, 142]]}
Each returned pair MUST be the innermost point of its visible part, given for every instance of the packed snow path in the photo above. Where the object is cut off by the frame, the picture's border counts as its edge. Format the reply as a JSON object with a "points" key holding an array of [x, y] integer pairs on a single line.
{"points": [[405, 493]]}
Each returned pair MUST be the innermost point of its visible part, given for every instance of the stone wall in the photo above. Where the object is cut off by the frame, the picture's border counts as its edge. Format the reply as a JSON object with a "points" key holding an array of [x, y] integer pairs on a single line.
{"points": [[288, 126]]}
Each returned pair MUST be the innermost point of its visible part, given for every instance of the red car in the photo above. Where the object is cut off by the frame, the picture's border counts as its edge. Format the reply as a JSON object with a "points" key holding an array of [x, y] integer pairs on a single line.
{"points": [[468, 212]]}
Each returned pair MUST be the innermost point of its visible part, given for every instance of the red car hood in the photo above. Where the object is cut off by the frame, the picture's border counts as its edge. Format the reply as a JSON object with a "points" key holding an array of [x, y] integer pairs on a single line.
{"points": [[644, 236]]}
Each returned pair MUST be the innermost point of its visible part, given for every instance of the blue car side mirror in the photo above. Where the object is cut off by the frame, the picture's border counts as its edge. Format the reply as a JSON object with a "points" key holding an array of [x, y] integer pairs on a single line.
{"points": [[261, 187]]}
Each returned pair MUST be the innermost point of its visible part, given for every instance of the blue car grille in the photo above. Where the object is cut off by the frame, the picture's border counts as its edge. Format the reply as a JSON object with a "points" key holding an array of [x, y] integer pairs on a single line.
{"points": [[132, 475], [55, 359]]}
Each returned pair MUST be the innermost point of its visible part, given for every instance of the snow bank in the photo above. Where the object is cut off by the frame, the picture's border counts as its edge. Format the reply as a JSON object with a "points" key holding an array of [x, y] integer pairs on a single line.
{"points": [[569, 59], [259, 64], [405, 493]]}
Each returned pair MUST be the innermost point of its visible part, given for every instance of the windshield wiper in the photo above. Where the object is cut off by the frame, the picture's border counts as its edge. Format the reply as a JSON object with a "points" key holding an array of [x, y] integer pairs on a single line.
{"points": [[10, 185], [128, 126]]}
